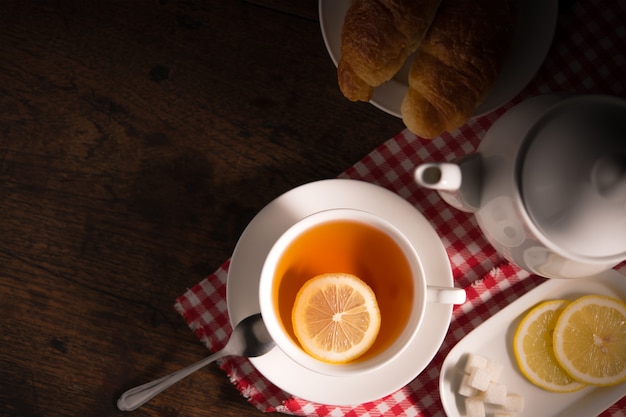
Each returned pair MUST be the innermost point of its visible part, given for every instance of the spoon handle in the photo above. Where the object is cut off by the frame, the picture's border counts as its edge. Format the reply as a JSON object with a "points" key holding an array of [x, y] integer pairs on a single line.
{"points": [[136, 397]]}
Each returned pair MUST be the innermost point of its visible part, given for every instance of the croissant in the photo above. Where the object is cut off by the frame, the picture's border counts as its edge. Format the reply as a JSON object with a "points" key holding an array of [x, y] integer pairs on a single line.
{"points": [[457, 64], [376, 39]]}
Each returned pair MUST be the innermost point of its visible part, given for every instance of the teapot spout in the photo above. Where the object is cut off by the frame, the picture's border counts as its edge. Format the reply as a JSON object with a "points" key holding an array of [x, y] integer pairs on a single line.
{"points": [[440, 176], [458, 183]]}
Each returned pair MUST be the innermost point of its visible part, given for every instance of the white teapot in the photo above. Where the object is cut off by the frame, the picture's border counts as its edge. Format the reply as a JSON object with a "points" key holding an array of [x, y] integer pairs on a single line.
{"points": [[547, 184]]}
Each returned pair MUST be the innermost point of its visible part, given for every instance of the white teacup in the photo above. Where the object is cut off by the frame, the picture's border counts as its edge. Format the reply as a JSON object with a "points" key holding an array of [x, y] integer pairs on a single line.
{"points": [[359, 243]]}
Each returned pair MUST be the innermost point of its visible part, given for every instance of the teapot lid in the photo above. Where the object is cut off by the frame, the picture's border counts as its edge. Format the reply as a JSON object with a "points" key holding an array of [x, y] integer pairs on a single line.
{"points": [[573, 176]]}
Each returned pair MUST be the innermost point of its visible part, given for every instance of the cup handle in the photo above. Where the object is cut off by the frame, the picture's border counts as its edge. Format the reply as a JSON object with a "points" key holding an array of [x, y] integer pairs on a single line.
{"points": [[445, 295]]}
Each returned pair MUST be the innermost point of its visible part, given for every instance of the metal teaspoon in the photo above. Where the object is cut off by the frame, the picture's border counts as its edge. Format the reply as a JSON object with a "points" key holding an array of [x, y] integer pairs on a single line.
{"points": [[250, 338]]}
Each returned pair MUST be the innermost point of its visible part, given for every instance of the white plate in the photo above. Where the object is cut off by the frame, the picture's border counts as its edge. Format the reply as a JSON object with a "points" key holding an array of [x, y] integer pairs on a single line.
{"points": [[494, 337], [536, 21], [272, 221]]}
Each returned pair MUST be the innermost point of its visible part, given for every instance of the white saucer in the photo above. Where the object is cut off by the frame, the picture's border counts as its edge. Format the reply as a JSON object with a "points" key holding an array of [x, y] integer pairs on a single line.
{"points": [[494, 337], [536, 22], [272, 221]]}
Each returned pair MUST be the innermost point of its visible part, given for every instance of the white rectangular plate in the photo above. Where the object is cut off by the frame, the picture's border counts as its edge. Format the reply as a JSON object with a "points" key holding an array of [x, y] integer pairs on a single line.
{"points": [[494, 339]]}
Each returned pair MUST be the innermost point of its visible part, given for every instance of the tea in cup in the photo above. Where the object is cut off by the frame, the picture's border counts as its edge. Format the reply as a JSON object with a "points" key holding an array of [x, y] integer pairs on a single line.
{"points": [[359, 244]]}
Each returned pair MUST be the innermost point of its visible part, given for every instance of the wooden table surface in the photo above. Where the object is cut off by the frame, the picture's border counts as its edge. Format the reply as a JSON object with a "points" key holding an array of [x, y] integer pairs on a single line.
{"points": [[137, 140]]}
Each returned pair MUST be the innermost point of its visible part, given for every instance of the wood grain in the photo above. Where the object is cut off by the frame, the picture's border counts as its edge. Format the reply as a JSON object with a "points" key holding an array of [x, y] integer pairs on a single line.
{"points": [[137, 140]]}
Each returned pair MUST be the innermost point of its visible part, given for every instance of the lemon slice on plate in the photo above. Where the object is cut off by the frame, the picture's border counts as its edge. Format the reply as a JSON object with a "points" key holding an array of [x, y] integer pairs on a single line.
{"points": [[590, 340], [532, 345], [336, 317]]}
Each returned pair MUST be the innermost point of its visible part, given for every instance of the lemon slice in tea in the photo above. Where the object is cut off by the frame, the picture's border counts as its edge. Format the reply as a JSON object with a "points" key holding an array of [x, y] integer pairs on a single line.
{"points": [[336, 317]]}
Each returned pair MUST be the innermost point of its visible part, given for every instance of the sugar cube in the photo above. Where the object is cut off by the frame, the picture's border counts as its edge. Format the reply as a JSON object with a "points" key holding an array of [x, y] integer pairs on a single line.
{"points": [[495, 394], [475, 361], [514, 402], [495, 369], [465, 389], [479, 379], [474, 407]]}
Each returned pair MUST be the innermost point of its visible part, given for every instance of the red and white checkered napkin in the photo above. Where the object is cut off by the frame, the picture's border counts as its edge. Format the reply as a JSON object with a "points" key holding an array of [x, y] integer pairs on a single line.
{"points": [[587, 56]]}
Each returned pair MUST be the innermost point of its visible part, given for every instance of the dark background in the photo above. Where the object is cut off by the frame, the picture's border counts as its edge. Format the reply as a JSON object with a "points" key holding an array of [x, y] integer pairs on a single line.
{"points": [[137, 140]]}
